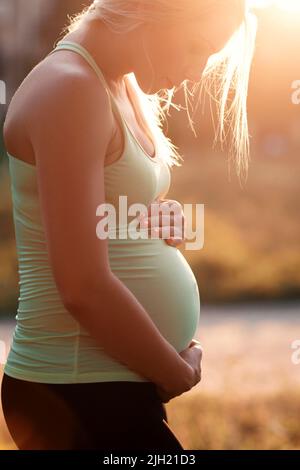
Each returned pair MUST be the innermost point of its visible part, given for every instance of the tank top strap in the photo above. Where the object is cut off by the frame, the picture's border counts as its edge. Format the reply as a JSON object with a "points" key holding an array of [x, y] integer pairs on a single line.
{"points": [[74, 46]]}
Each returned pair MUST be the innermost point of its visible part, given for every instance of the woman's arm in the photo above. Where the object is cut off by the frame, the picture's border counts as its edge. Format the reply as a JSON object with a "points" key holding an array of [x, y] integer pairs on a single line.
{"points": [[70, 128]]}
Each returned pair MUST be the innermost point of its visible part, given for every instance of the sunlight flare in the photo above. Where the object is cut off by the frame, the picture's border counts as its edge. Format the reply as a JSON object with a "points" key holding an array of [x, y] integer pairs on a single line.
{"points": [[288, 5]]}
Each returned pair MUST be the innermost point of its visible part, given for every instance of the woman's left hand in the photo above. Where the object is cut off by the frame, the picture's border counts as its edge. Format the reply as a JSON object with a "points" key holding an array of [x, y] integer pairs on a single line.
{"points": [[159, 224]]}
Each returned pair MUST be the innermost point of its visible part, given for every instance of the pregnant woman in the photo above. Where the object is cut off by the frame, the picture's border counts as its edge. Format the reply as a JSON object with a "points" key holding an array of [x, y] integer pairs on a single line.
{"points": [[105, 327]]}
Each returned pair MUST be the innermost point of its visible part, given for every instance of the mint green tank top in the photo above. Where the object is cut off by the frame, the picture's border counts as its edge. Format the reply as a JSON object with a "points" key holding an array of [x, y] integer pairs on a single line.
{"points": [[48, 344]]}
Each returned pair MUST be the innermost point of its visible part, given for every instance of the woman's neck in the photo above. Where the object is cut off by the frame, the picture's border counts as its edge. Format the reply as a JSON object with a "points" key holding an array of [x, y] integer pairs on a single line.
{"points": [[115, 60]]}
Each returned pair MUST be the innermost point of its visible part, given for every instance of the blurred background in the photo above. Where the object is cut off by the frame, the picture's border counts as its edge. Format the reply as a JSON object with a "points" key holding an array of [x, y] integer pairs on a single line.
{"points": [[248, 271]]}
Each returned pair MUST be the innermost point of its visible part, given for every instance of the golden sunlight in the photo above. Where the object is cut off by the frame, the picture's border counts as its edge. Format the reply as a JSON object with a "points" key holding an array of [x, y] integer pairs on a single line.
{"points": [[288, 5]]}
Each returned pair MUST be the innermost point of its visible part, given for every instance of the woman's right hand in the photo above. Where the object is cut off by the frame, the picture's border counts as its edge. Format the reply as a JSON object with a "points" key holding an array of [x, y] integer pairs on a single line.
{"points": [[193, 356]]}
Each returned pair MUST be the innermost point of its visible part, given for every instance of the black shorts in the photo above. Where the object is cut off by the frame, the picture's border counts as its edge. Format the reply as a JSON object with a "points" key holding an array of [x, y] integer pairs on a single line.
{"points": [[119, 415]]}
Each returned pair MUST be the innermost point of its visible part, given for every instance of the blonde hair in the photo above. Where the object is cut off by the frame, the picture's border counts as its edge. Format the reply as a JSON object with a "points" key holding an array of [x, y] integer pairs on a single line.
{"points": [[226, 73]]}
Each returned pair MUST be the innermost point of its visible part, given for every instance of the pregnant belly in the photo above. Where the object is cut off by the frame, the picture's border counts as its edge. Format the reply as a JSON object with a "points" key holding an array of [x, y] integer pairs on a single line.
{"points": [[162, 281]]}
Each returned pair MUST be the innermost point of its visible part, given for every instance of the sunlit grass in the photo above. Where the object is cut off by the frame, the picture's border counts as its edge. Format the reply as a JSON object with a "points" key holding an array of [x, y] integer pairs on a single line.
{"points": [[224, 422], [249, 395]]}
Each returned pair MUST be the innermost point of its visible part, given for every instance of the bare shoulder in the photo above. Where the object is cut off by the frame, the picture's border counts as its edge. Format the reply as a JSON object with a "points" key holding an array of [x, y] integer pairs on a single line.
{"points": [[56, 91], [70, 89]]}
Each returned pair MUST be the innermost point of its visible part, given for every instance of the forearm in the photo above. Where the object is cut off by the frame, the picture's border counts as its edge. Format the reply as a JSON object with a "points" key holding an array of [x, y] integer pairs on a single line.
{"points": [[120, 324]]}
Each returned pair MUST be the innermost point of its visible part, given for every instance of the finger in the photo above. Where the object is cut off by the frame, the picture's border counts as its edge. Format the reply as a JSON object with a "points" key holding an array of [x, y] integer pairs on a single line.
{"points": [[169, 201], [160, 220], [166, 233], [169, 206], [173, 229], [194, 342], [174, 243]]}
